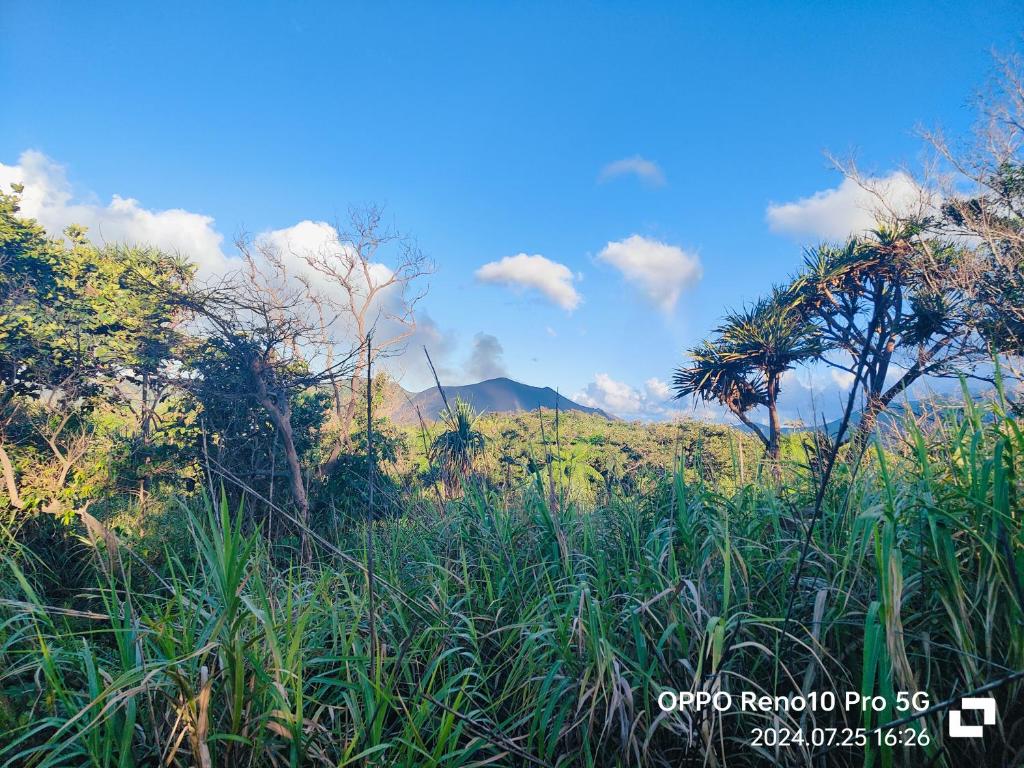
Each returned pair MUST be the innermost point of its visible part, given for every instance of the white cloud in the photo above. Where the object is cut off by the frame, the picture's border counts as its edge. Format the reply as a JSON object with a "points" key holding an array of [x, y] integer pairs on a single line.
{"points": [[644, 169], [652, 402], [293, 244], [842, 379], [657, 389], [849, 209], [660, 270], [50, 199], [306, 237], [610, 395], [486, 360], [404, 360], [550, 331], [523, 272]]}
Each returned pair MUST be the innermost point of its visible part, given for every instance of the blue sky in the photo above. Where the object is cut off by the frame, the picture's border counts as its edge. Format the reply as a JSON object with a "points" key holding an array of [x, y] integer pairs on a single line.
{"points": [[484, 129]]}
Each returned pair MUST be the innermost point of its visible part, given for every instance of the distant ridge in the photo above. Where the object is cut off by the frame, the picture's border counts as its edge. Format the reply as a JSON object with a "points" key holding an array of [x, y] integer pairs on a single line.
{"points": [[492, 396], [888, 419]]}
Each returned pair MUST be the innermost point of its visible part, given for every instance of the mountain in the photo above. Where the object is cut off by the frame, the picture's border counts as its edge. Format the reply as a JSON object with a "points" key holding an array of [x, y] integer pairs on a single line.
{"points": [[491, 396], [898, 412], [889, 419]]}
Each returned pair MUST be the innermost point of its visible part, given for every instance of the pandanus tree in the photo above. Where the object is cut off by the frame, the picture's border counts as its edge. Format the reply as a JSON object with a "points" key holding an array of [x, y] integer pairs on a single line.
{"points": [[456, 449], [889, 308], [742, 367]]}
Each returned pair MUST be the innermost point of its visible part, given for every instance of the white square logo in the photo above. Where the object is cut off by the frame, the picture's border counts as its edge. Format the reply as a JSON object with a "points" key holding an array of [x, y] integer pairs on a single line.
{"points": [[958, 730]]}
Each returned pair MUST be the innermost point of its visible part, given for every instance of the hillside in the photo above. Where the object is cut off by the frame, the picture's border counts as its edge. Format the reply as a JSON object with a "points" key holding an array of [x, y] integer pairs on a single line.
{"points": [[595, 452], [888, 420], [492, 396]]}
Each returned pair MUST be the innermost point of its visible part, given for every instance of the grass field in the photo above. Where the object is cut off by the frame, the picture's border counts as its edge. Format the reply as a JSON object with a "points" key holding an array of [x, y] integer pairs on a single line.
{"points": [[517, 632]]}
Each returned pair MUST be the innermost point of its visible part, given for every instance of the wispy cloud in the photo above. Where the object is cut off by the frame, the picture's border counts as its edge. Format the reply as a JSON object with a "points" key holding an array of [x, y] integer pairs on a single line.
{"points": [[661, 271], [646, 170], [537, 273], [486, 359]]}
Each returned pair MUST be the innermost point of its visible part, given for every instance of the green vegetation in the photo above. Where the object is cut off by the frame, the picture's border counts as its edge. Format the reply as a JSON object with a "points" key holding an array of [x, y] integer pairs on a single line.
{"points": [[511, 629], [590, 457], [455, 450]]}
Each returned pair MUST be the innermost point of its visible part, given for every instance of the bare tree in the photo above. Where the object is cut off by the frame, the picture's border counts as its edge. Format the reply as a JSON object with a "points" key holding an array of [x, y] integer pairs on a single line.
{"points": [[984, 203], [263, 319], [377, 276]]}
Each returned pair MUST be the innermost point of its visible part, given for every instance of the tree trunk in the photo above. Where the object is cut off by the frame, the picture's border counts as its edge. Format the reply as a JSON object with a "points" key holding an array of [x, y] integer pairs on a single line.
{"points": [[758, 432], [877, 401], [10, 481], [349, 414], [774, 427], [279, 410], [282, 420], [340, 442], [357, 374], [339, 408]]}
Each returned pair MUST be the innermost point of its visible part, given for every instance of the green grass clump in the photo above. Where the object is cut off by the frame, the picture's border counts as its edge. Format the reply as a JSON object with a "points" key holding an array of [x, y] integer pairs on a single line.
{"points": [[530, 633]]}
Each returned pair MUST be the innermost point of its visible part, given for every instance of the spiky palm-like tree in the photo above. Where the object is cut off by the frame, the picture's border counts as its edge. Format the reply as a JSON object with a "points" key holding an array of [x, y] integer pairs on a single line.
{"points": [[888, 294], [742, 367], [457, 448], [710, 377]]}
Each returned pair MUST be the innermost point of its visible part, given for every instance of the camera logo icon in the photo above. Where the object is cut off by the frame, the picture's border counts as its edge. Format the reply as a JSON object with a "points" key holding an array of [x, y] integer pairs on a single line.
{"points": [[958, 730]]}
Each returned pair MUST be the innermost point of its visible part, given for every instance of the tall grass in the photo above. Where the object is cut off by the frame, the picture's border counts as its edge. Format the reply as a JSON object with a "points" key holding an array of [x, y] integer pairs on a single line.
{"points": [[526, 634]]}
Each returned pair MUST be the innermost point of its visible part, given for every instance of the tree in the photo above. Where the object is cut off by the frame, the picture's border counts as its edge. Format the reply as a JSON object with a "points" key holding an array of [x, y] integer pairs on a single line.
{"points": [[456, 449], [234, 430], [368, 292], [886, 303], [989, 213], [74, 331], [511, 453], [257, 322], [154, 328], [742, 367]]}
